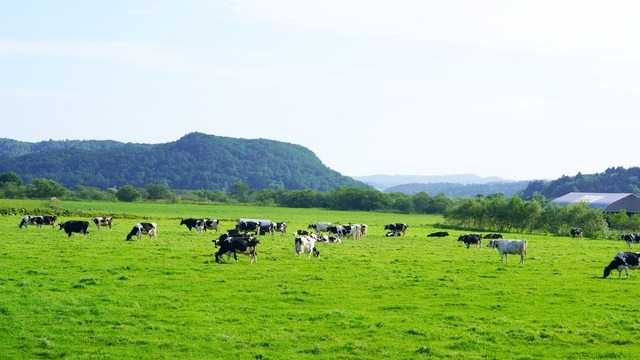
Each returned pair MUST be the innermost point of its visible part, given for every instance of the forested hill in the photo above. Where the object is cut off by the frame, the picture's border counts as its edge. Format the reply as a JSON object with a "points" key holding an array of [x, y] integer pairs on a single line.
{"points": [[195, 161], [618, 180]]}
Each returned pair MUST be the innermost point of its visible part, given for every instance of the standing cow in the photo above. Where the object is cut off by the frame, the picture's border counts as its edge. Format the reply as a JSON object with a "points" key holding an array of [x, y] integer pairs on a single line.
{"points": [[243, 243], [623, 261], [75, 226], [143, 228], [576, 232], [278, 226], [469, 239], [102, 221], [506, 247], [306, 244]]}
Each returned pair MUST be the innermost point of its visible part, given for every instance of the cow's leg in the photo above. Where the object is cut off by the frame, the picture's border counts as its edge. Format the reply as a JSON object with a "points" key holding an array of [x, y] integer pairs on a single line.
{"points": [[626, 270], [235, 257]]}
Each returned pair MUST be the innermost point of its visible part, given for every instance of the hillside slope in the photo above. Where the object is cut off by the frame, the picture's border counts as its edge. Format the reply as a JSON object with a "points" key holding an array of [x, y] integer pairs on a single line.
{"points": [[195, 161]]}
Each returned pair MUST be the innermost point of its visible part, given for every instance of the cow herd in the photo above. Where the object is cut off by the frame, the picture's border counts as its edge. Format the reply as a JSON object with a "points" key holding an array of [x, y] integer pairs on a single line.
{"points": [[239, 239]]}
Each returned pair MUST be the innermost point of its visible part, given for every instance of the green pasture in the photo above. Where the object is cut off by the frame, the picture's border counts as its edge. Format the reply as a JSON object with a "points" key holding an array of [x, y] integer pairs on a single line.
{"points": [[412, 297]]}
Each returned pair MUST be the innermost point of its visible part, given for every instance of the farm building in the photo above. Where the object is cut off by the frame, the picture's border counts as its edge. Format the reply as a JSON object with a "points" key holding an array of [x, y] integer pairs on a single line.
{"points": [[608, 202]]}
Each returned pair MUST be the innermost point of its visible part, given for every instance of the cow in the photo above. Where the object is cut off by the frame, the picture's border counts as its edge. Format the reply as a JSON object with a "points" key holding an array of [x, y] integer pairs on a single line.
{"points": [[278, 226], [50, 220], [244, 244], [301, 232], [328, 239], [207, 224], [363, 230], [505, 247], [393, 233], [75, 226], [492, 236], [190, 223], [622, 261], [248, 225], [576, 232], [438, 234], [320, 226], [349, 230], [469, 239], [629, 238], [401, 227], [38, 221], [143, 228], [306, 244], [102, 221]]}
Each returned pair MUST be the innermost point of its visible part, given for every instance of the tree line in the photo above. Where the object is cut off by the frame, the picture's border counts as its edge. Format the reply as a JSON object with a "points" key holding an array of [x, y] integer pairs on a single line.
{"points": [[494, 212]]}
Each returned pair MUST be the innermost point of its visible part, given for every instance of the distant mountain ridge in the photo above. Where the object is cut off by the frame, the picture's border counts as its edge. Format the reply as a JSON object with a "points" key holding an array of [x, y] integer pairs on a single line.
{"points": [[383, 182], [196, 161]]}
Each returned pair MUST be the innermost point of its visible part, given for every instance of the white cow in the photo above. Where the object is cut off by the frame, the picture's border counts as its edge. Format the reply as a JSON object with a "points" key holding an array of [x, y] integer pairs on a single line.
{"points": [[306, 244], [506, 247], [320, 226]]}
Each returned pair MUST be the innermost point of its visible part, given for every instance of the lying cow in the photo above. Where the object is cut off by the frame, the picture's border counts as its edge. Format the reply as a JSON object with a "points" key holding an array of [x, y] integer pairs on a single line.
{"points": [[102, 221], [492, 236], [393, 233], [506, 247], [469, 239], [438, 234], [401, 227], [622, 261], [75, 226], [143, 228], [243, 243], [306, 244]]}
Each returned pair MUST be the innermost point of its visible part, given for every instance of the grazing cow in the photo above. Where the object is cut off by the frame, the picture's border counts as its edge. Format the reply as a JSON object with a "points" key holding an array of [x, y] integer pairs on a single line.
{"points": [[100, 221], [50, 220], [622, 261], [306, 244], [576, 232], [629, 238], [278, 226], [469, 239], [438, 234], [24, 222], [143, 228], [38, 221], [320, 226], [249, 225], [190, 223], [402, 228], [244, 244], [207, 224], [492, 236], [77, 226], [349, 230], [506, 247]]}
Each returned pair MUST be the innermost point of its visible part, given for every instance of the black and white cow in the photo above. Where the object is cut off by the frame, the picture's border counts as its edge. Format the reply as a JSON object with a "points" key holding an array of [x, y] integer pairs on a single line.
{"points": [[102, 221], [438, 234], [278, 226], [189, 222], [75, 226], [622, 261], [505, 247], [38, 221], [246, 226], [492, 236], [348, 230], [301, 232], [393, 233], [143, 228], [401, 227], [630, 238], [306, 244], [471, 239], [244, 244], [576, 232], [320, 226], [207, 224]]}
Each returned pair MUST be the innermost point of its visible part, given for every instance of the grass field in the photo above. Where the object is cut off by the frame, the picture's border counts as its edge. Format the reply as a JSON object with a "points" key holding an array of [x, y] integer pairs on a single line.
{"points": [[412, 297]]}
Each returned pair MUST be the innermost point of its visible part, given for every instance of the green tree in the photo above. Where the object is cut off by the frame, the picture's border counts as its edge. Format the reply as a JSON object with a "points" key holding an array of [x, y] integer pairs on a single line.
{"points": [[43, 189], [11, 177], [157, 191], [240, 191], [128, 193]]}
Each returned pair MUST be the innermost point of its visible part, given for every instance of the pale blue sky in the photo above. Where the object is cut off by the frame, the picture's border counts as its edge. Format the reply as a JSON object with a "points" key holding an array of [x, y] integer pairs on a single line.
{"points": [[517, 89]]}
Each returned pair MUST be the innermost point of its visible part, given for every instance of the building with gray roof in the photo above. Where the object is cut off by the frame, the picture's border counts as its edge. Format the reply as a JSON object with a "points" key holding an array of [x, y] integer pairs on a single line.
{"points": [[608, 202]]}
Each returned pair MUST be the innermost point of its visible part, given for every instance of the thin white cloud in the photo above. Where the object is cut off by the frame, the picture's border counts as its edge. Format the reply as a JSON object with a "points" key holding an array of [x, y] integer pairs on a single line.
{"points": [[38, 94], [605, 29]]}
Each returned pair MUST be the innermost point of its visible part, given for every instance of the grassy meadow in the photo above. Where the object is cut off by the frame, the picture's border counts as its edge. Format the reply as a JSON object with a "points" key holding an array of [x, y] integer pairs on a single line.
{"points": [[412, 297]]}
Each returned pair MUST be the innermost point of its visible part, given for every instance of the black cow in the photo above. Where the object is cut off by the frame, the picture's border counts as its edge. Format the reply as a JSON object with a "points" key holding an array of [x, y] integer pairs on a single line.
{"points": [[77, 226], [438, 234], [244, 244], [397, 227], [469, 239], [143, 228], [576, 232], [622, 261], [492, 236], [190, 223], [102, 221]]}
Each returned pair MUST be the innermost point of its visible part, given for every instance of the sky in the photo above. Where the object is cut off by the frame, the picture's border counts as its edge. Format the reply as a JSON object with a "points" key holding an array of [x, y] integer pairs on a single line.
{"points": [[522, 90]]}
